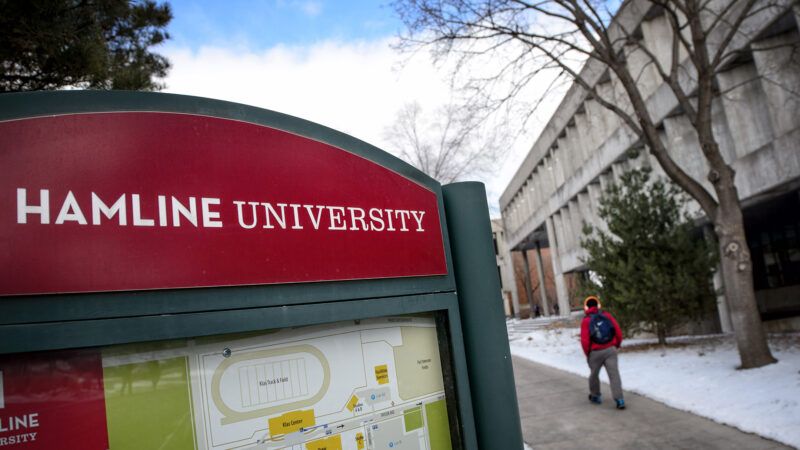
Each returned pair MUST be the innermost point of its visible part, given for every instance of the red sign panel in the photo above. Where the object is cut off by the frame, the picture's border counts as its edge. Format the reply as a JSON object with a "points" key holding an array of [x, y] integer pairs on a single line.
{"points": [[52, 400], [129, 201]]}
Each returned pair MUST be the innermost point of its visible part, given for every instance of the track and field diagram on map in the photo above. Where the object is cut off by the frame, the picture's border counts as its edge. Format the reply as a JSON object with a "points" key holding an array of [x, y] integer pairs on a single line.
{"points": [[357, 385]]}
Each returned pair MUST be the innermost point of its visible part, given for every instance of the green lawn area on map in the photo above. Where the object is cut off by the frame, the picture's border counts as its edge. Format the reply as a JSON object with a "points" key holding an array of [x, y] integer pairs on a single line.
{"points": [[413, 419], [148, 405], [438, 425]]}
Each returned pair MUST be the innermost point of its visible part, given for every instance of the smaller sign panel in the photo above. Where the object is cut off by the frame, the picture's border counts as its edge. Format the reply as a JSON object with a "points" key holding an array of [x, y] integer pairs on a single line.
{"points": [[307, 388], [135, 200], [52, 400]]}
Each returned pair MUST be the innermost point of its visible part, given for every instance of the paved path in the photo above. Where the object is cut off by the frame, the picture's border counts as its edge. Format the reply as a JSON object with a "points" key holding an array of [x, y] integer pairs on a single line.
{"points": [[557, 415]]}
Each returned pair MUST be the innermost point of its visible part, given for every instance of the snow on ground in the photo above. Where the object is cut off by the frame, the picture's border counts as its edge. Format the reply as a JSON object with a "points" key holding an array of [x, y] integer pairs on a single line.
{"points": [[695, 374]]}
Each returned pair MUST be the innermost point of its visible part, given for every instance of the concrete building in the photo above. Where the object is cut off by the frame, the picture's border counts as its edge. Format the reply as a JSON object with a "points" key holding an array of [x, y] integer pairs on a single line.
{"points": [[505, 268], [584, 147]]}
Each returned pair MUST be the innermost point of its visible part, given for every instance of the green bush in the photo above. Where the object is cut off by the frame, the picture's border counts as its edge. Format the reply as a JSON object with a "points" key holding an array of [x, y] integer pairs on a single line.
{"points": [[652, 269]]}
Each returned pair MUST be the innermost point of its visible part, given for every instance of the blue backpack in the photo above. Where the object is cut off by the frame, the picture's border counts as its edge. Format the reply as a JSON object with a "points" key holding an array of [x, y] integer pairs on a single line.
{"points": [[601, 330]]}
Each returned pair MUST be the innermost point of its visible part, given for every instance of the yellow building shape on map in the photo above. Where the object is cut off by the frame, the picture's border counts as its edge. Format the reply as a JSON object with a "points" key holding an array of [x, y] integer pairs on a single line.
{"points": [[332, 443], [351, 405], [291, 421], [382, 374], [360, 441]]}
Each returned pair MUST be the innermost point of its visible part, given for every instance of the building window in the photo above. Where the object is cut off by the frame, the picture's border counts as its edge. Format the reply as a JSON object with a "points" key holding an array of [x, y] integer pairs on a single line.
{"points": [[773, 232]]}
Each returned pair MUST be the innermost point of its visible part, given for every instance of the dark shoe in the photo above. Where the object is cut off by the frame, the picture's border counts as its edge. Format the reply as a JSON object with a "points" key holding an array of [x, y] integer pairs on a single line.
{"points": [[596, 399], [620, 403]]}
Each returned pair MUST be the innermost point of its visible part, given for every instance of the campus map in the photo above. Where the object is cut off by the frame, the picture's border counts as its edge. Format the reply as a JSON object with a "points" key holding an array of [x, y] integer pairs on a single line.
{"points": [[359, 385]]}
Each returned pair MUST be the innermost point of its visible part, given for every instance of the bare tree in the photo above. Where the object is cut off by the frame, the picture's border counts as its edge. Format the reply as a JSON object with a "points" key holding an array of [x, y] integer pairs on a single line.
{"points": [[706, 38], [450, 145]]}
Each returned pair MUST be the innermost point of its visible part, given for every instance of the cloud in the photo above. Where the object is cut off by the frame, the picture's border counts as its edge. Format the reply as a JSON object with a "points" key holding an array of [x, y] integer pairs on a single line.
{"points": [[353, 87], [311, 8]]}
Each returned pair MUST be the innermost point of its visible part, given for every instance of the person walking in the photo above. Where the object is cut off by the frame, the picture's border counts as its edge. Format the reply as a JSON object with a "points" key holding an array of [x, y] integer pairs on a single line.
{"points": [[600, 338]]}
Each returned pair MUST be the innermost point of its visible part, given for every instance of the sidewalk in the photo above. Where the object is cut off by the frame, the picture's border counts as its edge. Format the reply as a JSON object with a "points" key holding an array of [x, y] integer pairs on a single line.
{"points": [[556, 414]]}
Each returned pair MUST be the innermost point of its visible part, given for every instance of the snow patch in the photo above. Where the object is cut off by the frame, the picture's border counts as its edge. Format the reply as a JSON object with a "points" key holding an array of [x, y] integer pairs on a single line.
{"points": [[699, 376]]}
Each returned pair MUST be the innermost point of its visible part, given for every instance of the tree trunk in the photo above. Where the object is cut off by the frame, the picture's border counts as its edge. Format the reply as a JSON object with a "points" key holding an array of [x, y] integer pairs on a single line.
{"points": [[737, 276], [662, 336], [735, 262]]}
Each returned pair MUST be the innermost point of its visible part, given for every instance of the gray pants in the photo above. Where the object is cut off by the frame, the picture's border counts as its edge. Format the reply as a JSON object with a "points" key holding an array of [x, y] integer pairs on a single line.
{"points": [[608, 358]]}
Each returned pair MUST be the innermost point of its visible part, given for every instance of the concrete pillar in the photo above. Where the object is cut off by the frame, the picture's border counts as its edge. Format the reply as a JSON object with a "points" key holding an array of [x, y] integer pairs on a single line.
{"points": [[548, 177], [526, 204], [719, 125], [563, 230], [609, 120], [575, 147], [511, 285], [561, 285], [684, 147], [657, 170], [657, 34], [597, 133], [542, 284], [620, 98], [640, 64], [558, 167], [551, 173], [606, 179], [512, 216], [565, 157], [574, 225], [595, 194], [530, 194], [585, 208], [538, 187], [535, 205], [685, 150], [561, 221], [746, 109], [528, 284], [617, 169], [583, 128], [722, 303], [778, 67]]}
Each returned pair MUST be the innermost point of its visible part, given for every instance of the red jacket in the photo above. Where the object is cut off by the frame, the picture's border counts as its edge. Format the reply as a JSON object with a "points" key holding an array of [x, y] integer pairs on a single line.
{"points": [[587, 344]]}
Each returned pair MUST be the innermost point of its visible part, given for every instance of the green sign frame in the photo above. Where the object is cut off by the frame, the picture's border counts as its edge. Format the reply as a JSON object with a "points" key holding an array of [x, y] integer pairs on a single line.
{"points": [[468, 297]]}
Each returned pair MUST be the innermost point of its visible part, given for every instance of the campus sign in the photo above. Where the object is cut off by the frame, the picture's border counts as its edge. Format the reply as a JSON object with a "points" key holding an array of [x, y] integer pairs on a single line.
{"points": [[145, 200], [186, 273]]}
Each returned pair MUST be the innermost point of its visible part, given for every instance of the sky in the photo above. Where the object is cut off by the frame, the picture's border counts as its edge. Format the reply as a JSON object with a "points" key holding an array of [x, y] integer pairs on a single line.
{"points": [[330, 62]]}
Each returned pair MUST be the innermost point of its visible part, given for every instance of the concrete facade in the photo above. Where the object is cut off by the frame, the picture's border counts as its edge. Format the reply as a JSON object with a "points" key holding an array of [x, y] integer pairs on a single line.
{"points": [[585, 147], [505, 269]]}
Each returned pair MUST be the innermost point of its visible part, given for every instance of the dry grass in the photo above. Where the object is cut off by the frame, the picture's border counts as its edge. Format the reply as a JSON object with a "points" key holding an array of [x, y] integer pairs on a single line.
{"points": [[564, 323], [703, 344], [700, 343], [784, 341]]}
